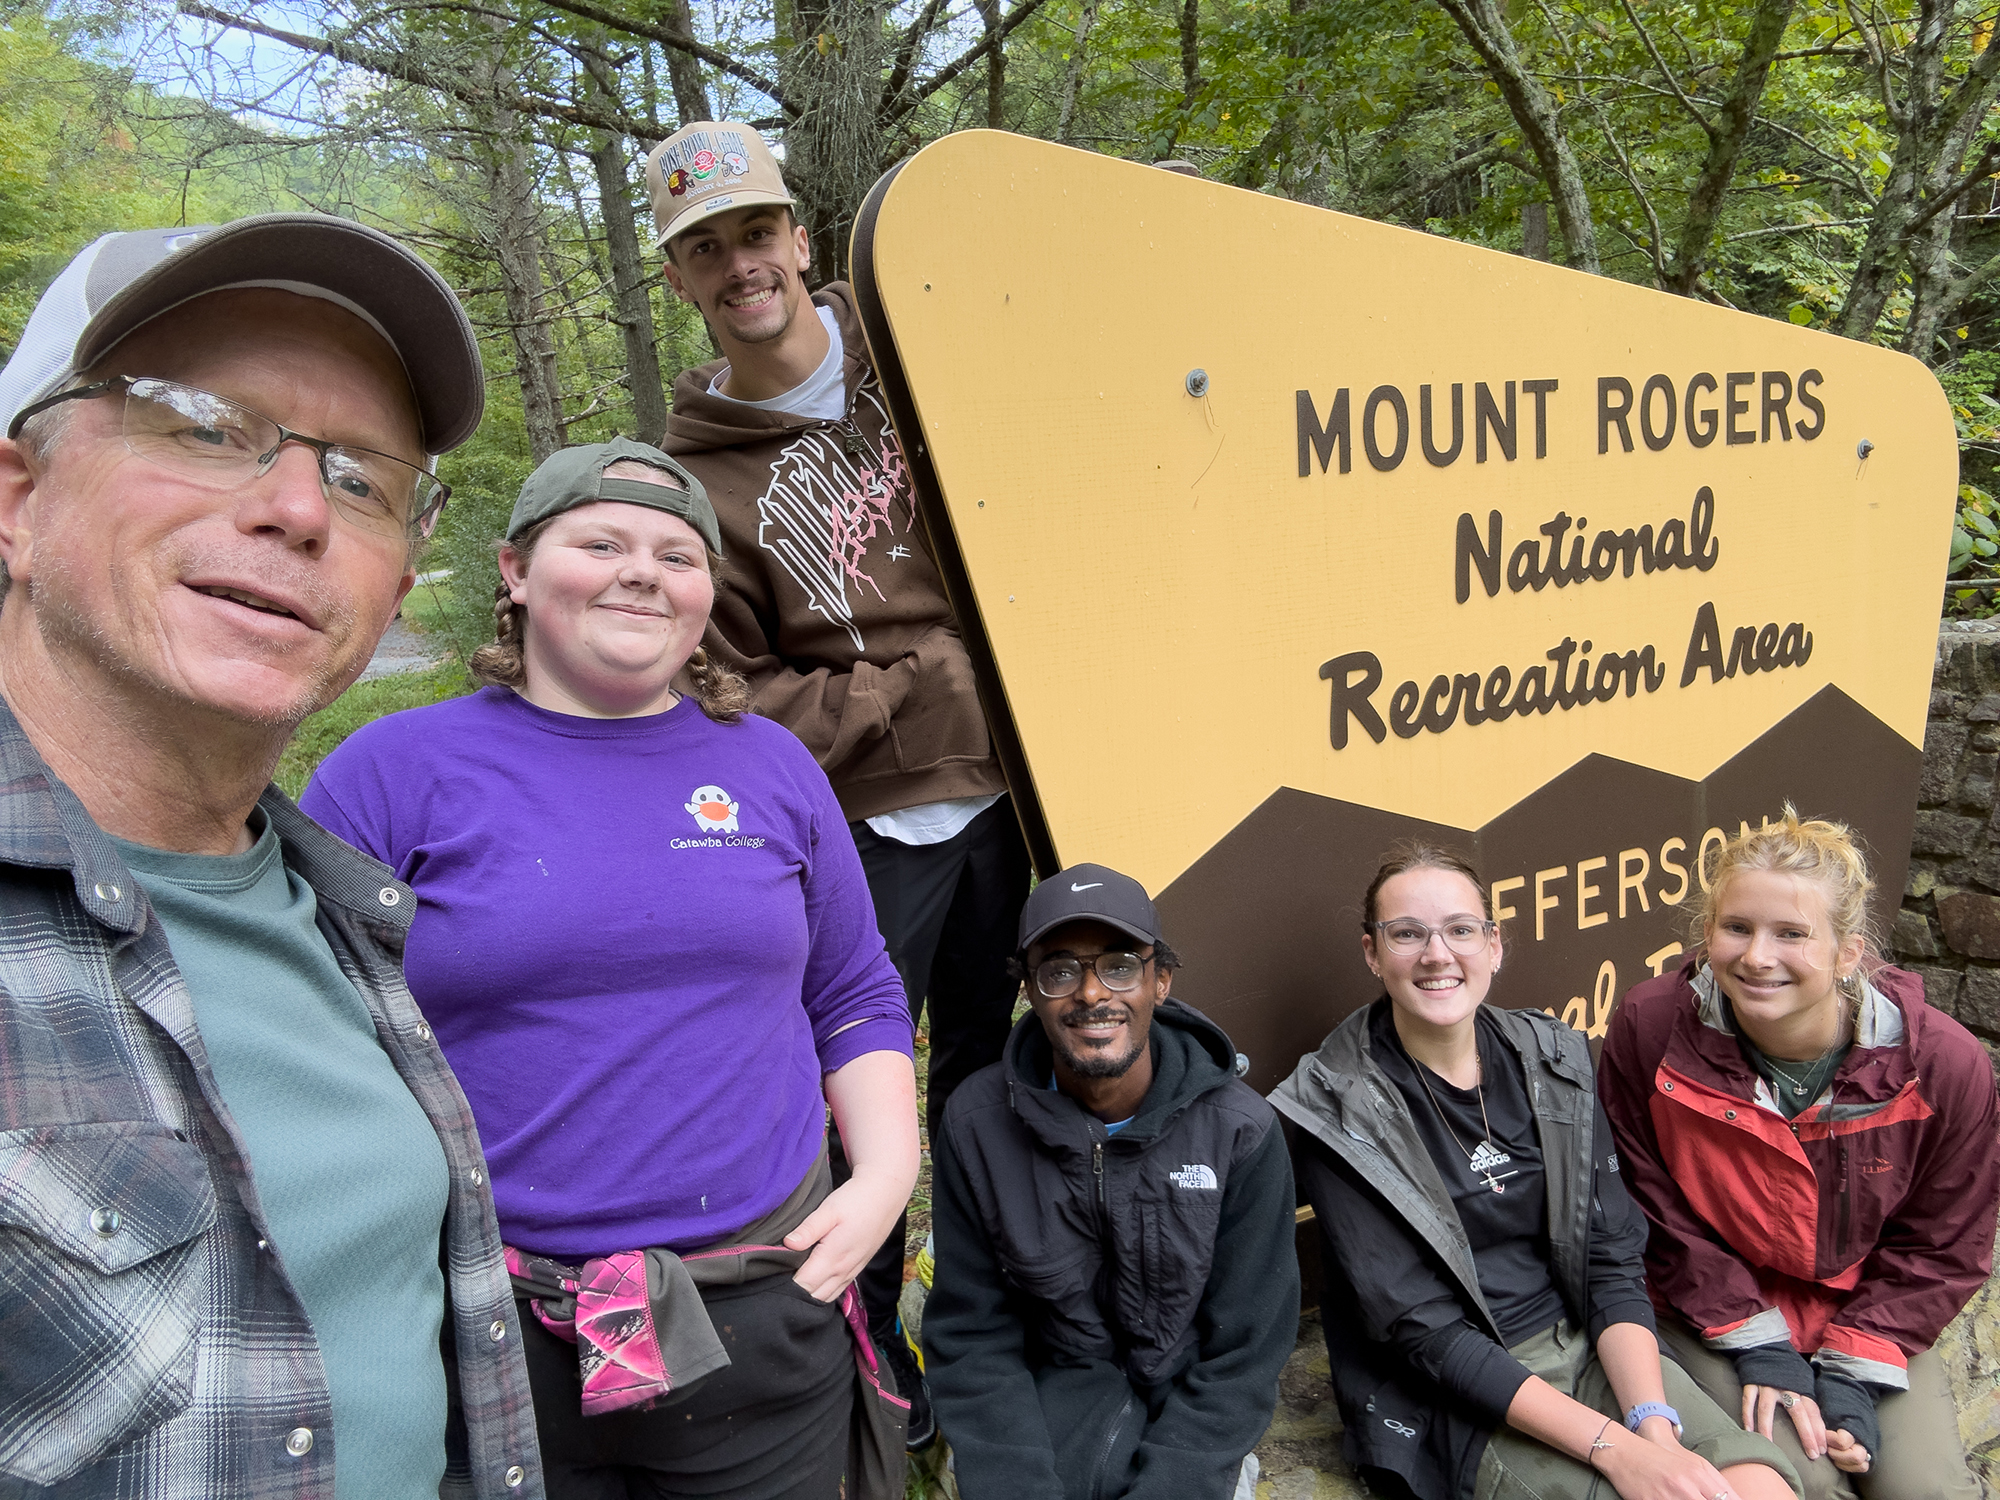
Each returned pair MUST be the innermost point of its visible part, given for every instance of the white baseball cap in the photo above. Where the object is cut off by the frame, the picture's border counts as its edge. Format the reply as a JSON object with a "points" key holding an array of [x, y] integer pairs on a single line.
{"points": [[127, 279]]}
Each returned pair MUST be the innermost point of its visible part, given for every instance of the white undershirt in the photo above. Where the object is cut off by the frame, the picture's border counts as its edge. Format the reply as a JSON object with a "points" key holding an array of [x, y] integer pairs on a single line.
{"points": [[823, 397]]}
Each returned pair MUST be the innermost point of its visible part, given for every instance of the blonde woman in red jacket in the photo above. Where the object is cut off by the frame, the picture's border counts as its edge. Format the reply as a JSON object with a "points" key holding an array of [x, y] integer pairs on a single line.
{"points": [[1815, 1149]]}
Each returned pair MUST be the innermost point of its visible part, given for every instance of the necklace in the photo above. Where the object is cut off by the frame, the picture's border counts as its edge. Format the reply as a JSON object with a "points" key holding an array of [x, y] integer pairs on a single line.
{"points": [[1481, 1162], [1807, 1084]]}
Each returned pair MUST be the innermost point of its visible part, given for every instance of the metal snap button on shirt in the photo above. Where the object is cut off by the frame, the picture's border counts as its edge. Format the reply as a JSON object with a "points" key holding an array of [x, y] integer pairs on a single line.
{"points": [[299, 1441], [498, 1331], [389, 896], [515, 1474], [477, 1177], [106, 892], [424, 1030], [106, 1222]]}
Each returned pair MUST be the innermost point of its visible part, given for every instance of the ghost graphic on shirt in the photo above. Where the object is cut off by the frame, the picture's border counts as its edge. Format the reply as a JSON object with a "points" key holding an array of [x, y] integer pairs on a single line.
{"points": [[712, 809]]}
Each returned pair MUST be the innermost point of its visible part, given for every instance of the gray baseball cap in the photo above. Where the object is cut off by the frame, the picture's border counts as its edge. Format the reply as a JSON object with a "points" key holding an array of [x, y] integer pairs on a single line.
{"points": [[575, 476], [1089, 893], [125, 280]]}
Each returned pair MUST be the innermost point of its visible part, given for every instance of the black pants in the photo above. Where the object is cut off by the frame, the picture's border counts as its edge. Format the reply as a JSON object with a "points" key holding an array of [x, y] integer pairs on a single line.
{"points": [[950, 914], [772, 1426]]}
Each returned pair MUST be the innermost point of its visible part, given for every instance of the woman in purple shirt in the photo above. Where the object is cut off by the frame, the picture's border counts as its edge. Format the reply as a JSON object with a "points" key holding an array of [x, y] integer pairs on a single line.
{"points": [[647, 949]]}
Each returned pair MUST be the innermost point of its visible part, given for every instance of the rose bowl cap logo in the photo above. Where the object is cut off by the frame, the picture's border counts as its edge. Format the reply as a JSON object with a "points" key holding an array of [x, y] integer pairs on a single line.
{"points": [[713, 811]]}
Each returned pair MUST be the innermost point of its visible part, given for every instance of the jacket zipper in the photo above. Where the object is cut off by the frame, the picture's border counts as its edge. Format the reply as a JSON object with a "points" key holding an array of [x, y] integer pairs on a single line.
{"points": [[852, 439], [1104, 1451], [1097, 1172], [1840, 1219]]}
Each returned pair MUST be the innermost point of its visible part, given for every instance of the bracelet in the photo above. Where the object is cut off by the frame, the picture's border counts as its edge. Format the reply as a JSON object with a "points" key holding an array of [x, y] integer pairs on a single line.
{"points": [[1647, 1409], [1598, 1442]]}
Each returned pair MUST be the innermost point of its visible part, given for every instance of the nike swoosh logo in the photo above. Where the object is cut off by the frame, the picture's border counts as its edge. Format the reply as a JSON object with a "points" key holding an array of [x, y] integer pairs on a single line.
{"points": [[1091, 887]]}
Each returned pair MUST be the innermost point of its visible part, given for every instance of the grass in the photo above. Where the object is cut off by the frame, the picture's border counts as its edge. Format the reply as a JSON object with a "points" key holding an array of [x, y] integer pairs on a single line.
{"points": [[364, 701], [424, 610]]}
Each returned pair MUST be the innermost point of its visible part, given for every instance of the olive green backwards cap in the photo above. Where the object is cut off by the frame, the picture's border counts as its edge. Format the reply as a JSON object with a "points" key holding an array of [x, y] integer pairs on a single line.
{"points": [[575, 476]]}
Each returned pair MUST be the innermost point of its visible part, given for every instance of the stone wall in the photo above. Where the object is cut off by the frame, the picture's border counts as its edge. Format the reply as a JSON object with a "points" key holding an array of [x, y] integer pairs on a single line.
{"points": [[1948, 930]]}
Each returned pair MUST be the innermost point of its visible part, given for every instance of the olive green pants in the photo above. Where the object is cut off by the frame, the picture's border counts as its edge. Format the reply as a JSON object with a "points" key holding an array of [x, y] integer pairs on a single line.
{"points": [[1518, 1467], [1921, 1458]]}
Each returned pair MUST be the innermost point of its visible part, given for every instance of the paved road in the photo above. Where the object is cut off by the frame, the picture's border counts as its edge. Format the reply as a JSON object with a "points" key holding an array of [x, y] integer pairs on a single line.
{"points": [[403, 650]]}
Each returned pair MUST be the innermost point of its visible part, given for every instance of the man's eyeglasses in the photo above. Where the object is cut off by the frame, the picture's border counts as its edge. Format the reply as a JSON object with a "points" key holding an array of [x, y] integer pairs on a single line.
{"points": [[1061, 977], [207, 437], [1465, 936]]}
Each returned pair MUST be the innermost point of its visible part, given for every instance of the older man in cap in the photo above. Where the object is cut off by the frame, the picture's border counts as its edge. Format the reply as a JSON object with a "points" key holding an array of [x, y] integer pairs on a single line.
{"points": [[835, 612], [246, 1243], [1116, 1287]]}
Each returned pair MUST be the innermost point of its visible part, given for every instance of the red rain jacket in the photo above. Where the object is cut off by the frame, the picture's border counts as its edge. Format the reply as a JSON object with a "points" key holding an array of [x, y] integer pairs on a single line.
{"points": [[1860, 1228]]}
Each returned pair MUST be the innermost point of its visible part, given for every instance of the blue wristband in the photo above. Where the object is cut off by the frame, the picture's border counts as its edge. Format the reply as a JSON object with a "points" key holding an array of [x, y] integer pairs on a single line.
{"points": [[1647, 1409]]}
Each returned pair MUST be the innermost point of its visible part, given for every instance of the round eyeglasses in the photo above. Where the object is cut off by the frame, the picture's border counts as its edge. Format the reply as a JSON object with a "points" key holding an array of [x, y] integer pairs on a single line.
{"points": [[1062, 976], [1465, 936], [207, 437]]}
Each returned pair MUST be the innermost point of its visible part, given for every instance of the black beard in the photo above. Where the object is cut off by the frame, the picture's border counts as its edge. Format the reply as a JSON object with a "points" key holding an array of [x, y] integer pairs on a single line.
{"points": [[1095, 1064]]}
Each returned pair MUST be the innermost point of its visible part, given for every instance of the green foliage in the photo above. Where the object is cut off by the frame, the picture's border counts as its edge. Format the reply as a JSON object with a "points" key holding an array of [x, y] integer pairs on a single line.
{"points": [[365, 701], [86, 151]]}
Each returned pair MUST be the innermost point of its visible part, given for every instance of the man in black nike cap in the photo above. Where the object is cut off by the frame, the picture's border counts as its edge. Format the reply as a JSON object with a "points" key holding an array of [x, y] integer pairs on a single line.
{"points": [[1116, 1288]]}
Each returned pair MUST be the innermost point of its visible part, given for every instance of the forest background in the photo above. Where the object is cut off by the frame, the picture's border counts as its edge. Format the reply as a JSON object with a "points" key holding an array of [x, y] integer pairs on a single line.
{"points": [[1834, 163]]}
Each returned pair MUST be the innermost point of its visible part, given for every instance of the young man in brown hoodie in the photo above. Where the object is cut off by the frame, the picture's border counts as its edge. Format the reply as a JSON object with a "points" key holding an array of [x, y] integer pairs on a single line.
{"points": [[835, 613]]}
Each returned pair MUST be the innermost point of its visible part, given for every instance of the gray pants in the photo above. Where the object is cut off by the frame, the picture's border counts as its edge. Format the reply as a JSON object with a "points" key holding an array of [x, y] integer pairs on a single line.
{"points": [[1518, 1467], [1921, 1458]]}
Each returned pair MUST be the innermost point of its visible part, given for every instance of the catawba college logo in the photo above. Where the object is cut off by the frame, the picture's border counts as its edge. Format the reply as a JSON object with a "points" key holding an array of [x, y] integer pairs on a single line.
{"points": [[713, 811]]}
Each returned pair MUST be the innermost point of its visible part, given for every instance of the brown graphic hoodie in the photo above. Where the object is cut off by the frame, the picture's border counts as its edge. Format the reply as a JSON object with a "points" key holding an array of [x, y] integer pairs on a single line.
{"points": [[832, 606]]}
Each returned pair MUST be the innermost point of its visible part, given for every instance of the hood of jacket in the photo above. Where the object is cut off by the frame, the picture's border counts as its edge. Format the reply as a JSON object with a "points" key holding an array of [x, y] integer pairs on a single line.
{"points": [[1191, 1056], [1893, 1017], [702, 422]]}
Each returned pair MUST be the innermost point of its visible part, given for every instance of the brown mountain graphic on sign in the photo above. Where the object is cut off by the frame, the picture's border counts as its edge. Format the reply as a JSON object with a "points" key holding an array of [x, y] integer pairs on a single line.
{"points": [[1269, 918]]}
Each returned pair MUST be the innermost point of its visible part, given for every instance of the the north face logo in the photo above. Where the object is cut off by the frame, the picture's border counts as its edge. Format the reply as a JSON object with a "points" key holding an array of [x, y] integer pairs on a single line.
{"points": [[1195, 1177]]}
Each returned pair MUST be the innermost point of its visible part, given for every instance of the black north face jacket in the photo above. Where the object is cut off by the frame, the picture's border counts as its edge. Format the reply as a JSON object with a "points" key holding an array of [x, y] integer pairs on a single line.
{"points": [[1110, 1313]]}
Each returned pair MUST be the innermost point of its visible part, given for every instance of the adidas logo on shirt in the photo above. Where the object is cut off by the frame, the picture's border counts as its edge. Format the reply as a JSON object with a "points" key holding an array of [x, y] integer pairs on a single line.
{"points": [[1487, 1157]]}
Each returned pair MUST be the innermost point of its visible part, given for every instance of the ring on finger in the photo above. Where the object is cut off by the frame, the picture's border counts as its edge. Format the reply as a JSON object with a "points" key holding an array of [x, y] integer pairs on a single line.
{"points": [[1789, 1400]]}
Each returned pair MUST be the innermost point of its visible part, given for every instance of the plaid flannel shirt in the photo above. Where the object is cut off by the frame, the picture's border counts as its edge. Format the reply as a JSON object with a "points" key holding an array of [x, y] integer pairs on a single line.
{"points": [[151, 1344]]}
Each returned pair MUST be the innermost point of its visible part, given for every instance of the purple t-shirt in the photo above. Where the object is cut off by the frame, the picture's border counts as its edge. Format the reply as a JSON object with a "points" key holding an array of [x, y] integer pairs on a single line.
{"points": [[640, 942]]}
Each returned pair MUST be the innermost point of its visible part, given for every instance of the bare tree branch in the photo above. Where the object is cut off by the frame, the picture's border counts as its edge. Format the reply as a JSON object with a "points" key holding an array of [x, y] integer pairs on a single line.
{"points": [[401, 68], [1673, 83], [1470, 162], [1022, 10], [680, 41]]}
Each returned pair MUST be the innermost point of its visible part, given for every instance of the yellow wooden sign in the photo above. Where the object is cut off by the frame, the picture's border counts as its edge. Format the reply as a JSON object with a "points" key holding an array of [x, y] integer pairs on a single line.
{"points": [[1276, 530]]}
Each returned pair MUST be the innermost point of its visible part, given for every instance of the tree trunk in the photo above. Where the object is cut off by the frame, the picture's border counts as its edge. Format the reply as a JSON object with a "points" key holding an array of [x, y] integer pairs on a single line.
{"points": [[1067, 114], [516, 226], [1725, 144], [832, 70], [1535, 112], [631, 297], [628, 286], [1883, 252], [684, 70], [1535, 231], [511, 217], [996, 68]]}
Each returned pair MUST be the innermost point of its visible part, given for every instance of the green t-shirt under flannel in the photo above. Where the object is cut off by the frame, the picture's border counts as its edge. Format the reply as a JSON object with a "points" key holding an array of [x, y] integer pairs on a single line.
{"points": [[350, 1174]]}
